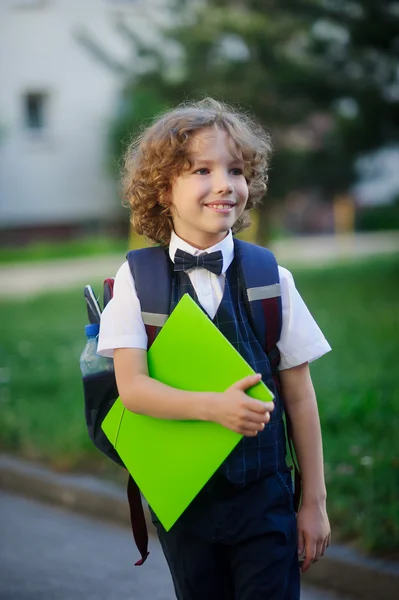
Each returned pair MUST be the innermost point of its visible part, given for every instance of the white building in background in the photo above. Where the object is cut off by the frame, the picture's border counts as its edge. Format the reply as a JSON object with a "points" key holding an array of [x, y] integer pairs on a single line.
{"points": [[56, 103], [378, 177]]}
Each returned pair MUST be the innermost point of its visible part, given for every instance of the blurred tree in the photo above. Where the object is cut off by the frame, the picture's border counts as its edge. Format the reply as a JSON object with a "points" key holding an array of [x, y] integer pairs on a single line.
{"points": [[321, 75]]}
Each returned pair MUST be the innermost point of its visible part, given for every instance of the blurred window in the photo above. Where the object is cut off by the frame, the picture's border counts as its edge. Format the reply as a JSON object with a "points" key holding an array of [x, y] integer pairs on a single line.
{"points": [[35, 108]]}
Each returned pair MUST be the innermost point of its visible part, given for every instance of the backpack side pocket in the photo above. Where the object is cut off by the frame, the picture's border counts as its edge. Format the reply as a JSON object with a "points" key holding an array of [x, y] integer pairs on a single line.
{"points": [[100, 393]]}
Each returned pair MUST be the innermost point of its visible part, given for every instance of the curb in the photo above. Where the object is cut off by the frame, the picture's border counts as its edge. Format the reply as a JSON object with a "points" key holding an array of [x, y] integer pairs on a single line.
{"points": [[343, 570], [82, 494]]}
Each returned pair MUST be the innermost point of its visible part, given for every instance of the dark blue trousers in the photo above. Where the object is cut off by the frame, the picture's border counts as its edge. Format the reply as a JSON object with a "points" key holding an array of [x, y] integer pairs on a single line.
{"points": [[236, 544]]}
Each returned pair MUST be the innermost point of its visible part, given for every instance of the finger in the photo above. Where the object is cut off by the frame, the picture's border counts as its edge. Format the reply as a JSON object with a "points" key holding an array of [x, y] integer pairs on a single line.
{"points": [[249, 431], [247, 382], [255, 420], [257, 406], [326, 543], [310, 552], [254, 428], [251, 421], [301, 542], [319, 550]]}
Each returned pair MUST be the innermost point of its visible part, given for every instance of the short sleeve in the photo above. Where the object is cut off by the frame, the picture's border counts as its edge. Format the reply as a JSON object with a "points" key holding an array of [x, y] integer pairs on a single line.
{"points": [[301, 338], [121, 322]]}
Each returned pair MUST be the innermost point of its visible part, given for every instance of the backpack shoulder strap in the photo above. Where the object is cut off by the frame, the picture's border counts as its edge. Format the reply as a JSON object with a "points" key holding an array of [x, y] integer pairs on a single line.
{"points": [[260, 282], [151, 271]]}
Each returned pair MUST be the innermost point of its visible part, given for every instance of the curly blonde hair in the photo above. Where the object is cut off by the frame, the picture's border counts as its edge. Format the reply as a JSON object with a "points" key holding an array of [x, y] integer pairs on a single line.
{"points": [[162, 152]]}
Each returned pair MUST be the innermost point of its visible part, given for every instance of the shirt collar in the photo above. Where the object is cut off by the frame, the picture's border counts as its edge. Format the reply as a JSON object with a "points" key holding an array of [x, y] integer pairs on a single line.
{"points": [[226, 246]]}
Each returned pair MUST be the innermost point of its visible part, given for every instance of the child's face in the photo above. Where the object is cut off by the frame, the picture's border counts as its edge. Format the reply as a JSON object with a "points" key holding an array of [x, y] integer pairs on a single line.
{"points": [[209, 198]]}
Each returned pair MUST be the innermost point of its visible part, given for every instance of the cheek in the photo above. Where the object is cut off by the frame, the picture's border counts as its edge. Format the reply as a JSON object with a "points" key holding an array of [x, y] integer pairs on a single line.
{"points": [[243, 191]]}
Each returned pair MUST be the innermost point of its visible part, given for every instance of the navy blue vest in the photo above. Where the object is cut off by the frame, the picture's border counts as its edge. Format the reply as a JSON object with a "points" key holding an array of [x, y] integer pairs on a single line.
{"points": [[253, 457]]}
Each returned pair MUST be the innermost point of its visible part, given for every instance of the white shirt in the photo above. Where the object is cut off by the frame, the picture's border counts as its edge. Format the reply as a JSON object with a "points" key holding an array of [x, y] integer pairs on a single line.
{"points": [[122, 325]]}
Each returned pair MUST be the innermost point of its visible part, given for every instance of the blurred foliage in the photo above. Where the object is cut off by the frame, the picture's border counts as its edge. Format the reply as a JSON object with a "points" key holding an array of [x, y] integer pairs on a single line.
{"points": [[321, 75], [358, 396], [378, 218]]}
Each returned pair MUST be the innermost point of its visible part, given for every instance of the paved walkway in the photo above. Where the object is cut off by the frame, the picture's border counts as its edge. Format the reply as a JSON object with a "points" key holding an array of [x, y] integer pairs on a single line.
{"points": [[342, 569], [33, 278], [50, 554]]}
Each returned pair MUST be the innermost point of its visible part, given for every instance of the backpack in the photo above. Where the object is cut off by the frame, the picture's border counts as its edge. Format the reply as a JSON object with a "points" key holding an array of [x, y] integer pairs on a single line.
{"points": [[151, 269]]}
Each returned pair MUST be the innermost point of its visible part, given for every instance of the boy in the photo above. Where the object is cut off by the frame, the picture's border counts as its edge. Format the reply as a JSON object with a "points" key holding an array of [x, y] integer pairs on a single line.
{"points": [[190, 180]]}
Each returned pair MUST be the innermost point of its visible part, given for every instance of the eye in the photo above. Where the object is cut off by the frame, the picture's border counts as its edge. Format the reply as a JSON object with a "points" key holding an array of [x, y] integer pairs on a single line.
{"points": [[236, 171], [202, 171]]}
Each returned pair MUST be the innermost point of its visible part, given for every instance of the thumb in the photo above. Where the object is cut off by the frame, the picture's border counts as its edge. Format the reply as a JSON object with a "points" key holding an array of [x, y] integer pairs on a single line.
{"points": [[247, 382]]}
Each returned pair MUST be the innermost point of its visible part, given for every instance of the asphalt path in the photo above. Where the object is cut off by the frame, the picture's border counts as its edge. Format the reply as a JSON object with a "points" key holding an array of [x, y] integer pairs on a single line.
{"points": [[49, 554]]}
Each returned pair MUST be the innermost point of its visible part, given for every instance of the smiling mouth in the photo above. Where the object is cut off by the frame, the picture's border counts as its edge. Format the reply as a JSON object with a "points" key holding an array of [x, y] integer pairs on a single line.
{"points": [[221, 206]]}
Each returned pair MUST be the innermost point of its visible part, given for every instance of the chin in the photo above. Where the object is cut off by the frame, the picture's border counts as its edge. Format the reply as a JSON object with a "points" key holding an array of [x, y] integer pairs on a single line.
{"points": [[218, 230], [225, 227]]}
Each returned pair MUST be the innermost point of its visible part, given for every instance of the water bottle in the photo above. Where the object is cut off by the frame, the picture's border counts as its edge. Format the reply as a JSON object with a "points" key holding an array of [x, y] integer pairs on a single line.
{"points": [[92, 363]]}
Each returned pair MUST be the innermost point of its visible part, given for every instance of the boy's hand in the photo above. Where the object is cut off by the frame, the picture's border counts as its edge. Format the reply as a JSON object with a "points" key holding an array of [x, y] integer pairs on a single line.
{"points": [[314, 533], [235, 410]]}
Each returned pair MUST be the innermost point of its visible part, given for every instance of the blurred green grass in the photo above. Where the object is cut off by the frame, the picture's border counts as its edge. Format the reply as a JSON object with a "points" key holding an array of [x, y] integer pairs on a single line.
{"points": [[356, 306], [357, 385], [80, 247]]}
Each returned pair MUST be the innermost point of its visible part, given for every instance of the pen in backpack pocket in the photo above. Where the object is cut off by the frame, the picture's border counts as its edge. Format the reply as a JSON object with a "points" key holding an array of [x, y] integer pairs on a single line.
{"points": [[93, 307]]}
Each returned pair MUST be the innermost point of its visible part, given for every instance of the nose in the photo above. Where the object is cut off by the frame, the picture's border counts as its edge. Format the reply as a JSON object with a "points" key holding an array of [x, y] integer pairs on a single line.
{"points": [[222, 183]]}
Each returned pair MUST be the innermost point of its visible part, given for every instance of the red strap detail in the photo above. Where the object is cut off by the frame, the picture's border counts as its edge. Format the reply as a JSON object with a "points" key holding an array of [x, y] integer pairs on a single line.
{"points": [[271, 314], [137, 518], [110, 282], [151, 333], [108, 290]]}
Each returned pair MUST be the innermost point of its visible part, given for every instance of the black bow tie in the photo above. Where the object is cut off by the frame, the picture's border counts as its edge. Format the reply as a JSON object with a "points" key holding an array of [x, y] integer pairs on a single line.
{"points": [[185, 261]]}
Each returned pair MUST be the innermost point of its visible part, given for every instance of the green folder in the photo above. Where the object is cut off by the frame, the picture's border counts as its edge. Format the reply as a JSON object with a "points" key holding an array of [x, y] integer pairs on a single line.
{"points": [[171, 461]]}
